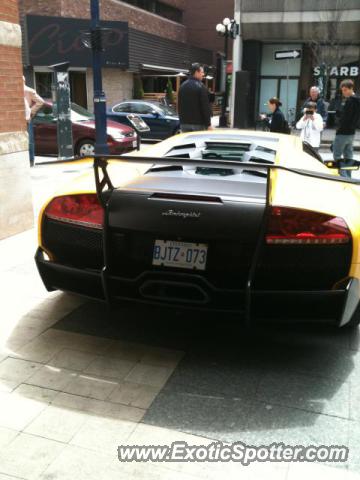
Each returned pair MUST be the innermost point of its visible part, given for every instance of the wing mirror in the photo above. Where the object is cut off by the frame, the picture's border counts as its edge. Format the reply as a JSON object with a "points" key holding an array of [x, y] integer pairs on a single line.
{"points": [[155, 113]]}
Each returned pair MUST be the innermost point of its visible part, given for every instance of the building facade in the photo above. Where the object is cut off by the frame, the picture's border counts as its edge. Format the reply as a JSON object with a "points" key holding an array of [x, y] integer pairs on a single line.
{"points": [[152, 38], [16, 213], [325, 32]]}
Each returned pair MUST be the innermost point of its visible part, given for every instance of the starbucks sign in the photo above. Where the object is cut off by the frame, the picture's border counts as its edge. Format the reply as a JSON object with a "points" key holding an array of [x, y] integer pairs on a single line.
{"points": [[345, 71]]}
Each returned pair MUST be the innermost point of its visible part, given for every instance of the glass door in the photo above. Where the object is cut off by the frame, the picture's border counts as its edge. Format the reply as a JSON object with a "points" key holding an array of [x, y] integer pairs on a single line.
{"points": [[288, 97]]}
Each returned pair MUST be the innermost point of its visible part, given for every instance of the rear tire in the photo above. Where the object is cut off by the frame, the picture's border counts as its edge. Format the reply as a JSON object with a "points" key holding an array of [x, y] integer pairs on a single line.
{"points": [[85, 147]]}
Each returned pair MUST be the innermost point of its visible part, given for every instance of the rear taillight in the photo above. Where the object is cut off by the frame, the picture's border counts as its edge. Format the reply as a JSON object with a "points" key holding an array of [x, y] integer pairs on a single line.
{"points": [[295, 226], [83, 209]]}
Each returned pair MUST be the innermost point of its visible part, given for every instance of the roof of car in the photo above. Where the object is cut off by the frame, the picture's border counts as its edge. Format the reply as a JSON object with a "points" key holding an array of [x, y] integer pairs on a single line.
{"points": [[153, 102], [139, 100]]}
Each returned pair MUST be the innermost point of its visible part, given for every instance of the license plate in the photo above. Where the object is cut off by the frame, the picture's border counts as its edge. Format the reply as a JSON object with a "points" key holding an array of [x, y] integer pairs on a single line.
{"points": [[170, 253], [135, 143]]}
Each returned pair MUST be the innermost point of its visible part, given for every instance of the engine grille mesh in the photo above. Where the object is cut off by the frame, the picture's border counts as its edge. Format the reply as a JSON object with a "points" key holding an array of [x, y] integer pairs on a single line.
{"points": [[73, 245]]}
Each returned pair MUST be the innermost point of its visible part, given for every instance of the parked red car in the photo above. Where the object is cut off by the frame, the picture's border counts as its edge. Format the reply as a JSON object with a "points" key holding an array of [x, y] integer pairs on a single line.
{"points": [[121, 138]]}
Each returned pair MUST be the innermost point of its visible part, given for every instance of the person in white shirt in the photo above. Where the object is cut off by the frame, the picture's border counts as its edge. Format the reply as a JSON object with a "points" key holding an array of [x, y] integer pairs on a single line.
{"points": [[33, 103], [311, 125]]}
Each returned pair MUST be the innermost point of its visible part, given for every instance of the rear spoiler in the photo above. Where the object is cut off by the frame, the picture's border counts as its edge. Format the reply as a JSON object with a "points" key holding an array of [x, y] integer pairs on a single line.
{"points": [[103, 180]]}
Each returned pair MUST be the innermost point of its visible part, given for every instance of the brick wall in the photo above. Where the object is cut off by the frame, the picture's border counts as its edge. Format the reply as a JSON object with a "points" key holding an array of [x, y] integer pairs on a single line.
{"points": [[142, 20], [16, 212], [12, 117], [109, 10], [9, 12], [41, 7], [117, 85], [180, 4], [200, 21]]}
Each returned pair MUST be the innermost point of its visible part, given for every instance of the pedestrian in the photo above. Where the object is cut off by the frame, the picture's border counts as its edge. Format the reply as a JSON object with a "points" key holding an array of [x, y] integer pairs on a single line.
{"points": [[276, 122], [33, 103], [193, 102], [311, 125], [314, 96], [349, 120]]}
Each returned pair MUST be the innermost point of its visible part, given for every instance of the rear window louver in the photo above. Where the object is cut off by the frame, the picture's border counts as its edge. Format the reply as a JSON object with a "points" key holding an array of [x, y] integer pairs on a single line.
{"points": [[239, 147], [185, 198]]}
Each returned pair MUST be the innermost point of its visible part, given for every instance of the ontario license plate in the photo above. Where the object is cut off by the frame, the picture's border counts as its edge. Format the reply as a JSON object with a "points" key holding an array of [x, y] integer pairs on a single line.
{"points": [[134, 143], [170, 253]]}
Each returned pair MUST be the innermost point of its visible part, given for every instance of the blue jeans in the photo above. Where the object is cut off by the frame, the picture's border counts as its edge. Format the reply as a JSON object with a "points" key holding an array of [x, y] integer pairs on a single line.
{"points": [[31, 142], [191, 127], [343, 151]]}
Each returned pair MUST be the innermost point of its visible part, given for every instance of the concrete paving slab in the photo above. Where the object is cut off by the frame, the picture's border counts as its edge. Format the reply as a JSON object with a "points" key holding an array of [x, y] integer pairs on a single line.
{"points": [[72, 359], [80, 463], [110, 367], [103, 435], [52, 378], [91, 386], [27, 456], [56, 423], [17, 412], [134, 394]]}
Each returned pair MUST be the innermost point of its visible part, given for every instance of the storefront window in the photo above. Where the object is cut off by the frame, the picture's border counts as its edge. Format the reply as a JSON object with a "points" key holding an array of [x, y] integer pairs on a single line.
{"points": [[268, 87], [77, 82], [270, 66], [43, 84], [274, 75]]}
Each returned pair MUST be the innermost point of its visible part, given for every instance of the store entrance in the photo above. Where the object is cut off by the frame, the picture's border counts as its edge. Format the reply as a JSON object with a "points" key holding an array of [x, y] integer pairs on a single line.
{"points": [[286, 90], [78, 88]]}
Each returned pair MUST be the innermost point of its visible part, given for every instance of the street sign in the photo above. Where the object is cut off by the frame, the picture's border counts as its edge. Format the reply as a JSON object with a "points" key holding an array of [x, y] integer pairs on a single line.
{"points": [[286, 54], [138, 123]]}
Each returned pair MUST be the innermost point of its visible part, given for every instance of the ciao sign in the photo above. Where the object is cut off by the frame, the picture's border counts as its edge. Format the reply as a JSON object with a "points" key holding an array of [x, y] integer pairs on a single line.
{"points": [[54, 39], [350, 71]]}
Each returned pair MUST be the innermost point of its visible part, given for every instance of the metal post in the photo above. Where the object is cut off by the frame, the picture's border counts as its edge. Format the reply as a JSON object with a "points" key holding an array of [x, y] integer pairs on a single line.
{"points": [[62, 109], [237, 57], [223, 121], [99, 95], [287, 89]]}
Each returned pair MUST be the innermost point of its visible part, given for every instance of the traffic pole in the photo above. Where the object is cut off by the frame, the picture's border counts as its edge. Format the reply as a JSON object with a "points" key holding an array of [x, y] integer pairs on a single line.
{"points": [[237, 58], [287, 90], [101, 146], [223, 117]]}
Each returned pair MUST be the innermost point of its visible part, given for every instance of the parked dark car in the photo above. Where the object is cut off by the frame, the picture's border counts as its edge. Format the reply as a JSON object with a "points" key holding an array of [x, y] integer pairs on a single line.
{"points": [[162, 120], [121, 138]]}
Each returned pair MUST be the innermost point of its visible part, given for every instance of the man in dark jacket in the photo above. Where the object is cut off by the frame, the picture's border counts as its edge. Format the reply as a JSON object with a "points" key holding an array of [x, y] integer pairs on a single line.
{"points": [[349, 119], [193, 102]]}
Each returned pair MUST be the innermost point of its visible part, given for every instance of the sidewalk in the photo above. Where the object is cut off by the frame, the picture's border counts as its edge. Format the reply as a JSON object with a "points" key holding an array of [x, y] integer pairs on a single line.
{"points": [[68, 399]]}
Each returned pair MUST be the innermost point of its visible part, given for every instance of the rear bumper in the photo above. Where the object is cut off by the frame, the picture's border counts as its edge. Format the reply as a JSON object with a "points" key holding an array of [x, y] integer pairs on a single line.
{"points": [[189, 291]]}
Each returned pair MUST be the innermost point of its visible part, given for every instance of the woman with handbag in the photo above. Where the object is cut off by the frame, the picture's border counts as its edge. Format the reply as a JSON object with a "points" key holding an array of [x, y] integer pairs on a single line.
{"points": [[276, 122]]}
